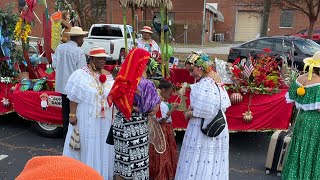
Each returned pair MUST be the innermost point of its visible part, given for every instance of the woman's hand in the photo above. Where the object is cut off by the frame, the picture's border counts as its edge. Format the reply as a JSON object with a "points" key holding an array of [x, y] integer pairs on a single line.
{"points": [[155, 110], [188, 114], [73, 120], [175, 106]]}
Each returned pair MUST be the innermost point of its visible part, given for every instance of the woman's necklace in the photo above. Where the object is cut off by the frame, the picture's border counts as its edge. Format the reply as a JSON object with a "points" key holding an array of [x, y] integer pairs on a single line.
{"points": [[100, 88], [96, 76]]}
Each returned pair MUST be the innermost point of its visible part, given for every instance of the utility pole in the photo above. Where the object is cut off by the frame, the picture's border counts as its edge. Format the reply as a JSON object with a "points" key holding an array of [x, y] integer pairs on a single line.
{"points": [[203, 22]]}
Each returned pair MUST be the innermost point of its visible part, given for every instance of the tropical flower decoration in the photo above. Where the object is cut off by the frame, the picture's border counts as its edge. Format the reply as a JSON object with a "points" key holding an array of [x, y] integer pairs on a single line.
{"points": [[23, 26], [261, 76], [153, 65], [22, 30], [56, 29], [204, 62]]}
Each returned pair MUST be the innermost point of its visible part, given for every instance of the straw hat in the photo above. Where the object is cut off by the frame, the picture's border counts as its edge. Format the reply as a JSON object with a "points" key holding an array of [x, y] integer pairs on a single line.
{"points": [[98, 52], [76, 31], [312, 62], [57, 167], [146, 29]]}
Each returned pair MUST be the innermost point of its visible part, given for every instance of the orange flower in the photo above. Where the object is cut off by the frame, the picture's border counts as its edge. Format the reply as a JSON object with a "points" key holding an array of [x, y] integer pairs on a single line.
{"points": [[57, 16]]}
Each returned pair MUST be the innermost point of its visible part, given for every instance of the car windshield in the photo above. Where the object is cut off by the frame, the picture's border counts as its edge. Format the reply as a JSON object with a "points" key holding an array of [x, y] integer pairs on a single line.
{"points": [[307, 46]]}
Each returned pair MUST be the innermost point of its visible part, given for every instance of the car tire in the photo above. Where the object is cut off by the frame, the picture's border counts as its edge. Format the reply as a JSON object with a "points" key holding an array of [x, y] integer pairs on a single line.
{"points": [[47, 130]]}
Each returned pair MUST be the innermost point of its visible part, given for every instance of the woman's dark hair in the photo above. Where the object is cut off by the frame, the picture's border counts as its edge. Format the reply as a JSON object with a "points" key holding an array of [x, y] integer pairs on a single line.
{"points": [[165, 84], [316, 71]]}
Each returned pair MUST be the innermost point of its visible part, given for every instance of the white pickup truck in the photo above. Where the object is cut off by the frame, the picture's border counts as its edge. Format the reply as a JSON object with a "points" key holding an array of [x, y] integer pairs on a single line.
{"points": [[111, 38]]}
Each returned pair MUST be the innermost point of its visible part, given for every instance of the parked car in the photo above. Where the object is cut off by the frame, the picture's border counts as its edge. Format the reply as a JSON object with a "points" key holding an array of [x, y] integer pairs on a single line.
{"points": [[111, 38], [304, 34], [277, 45]]}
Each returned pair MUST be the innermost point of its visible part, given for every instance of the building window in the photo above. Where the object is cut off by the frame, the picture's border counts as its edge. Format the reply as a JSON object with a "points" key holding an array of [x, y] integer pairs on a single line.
{"points": [[286, 18]]}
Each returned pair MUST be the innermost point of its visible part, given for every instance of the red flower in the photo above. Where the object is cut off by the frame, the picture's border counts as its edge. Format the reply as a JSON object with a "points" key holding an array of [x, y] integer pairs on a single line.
{"points": [[150, 45], [266, 50], [236, 71], [102, 78], [269, 84], [236, 61]]}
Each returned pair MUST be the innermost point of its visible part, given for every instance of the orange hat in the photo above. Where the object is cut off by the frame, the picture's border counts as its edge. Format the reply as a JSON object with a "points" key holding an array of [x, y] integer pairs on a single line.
{"points": [[57, 167]]}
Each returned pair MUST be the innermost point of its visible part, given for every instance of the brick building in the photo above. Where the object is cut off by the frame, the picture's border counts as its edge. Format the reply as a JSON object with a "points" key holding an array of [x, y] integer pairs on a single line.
{"points": [[39, 10], [228, 20], [241, 19]]}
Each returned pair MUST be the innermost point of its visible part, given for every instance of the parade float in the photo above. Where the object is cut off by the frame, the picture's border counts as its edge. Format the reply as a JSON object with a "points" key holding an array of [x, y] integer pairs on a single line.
{"points": [[258, 99], [257, 89], [9, 57]]}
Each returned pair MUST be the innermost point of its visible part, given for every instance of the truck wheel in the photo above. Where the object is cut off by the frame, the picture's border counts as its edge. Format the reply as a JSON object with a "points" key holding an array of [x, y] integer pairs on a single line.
{"points": [[47, 130]]}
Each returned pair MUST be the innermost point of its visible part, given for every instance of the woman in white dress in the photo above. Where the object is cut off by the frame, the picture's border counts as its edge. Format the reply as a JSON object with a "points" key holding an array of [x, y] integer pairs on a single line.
{"points": [[87, 89], [201, 156]]}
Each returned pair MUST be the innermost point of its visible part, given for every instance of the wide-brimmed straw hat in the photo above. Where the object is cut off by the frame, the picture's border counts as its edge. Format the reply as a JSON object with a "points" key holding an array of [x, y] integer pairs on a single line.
{"points": [[312, 62], [146, 29], [76, 31], [98, 52]]}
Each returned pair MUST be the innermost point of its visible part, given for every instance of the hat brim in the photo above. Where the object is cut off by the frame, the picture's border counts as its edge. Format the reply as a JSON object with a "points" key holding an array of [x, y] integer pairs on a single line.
{"points": [[305, 61], [100, 55], [146, 31], [77, 34]]}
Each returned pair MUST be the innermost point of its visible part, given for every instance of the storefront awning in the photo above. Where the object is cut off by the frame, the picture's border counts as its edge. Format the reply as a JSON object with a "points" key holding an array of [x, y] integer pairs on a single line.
{"points": [[212, 7]]}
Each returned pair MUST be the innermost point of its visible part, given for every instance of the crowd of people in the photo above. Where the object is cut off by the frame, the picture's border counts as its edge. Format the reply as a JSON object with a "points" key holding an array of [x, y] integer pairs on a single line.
{"points": [[96, 104]]}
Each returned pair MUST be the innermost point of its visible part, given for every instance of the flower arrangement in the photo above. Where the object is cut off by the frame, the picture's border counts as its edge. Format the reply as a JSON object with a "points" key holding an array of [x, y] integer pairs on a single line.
{"points": [[56, 29], [259, 75], [23, 26]]}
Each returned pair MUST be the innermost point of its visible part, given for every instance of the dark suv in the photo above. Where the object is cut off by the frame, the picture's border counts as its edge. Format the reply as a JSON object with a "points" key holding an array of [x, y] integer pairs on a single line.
{"points": [[277, 45]]}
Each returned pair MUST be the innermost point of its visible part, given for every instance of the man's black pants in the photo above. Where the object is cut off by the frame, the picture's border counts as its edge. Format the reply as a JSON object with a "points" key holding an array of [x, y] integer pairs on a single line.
{"points": [[65, 114]]}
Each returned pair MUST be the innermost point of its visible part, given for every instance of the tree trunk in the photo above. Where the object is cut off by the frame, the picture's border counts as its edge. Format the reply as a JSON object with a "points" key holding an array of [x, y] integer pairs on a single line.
{"points": [[312, 21], [167, 46], [133, 33], [124, 12], [265, 18], [163, 57]]}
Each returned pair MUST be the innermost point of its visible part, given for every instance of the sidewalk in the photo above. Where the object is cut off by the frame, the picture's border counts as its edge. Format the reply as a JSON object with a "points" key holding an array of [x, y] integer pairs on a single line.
{"points": [[210, 48]]}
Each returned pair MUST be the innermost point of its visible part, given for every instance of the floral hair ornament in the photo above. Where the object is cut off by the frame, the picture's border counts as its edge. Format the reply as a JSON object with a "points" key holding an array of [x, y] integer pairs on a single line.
{"points": [[312, 62], [204, 62]]}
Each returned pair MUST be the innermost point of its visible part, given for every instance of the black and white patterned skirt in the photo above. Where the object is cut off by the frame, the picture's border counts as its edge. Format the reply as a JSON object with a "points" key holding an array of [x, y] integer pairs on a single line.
{"points": [[131, 146]]}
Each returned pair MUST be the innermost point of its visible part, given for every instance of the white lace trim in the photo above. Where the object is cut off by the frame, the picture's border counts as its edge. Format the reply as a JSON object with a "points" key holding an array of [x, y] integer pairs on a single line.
{"points": [[79, 89], [205, 98], [305, 107], [306, 86]]}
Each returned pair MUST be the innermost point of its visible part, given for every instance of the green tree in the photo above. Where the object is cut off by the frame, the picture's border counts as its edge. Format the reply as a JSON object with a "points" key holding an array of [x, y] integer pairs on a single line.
{"points": [[88, 11]]}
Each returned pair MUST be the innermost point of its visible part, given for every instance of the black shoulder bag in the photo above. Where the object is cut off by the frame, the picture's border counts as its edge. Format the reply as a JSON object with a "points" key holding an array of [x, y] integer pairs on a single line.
{"points": [[216, 126], [110, 138]]}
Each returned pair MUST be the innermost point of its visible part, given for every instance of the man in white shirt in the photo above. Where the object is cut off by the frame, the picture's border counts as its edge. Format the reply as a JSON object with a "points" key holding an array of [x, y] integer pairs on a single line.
{"points": [[67, 58], [147, 42]]}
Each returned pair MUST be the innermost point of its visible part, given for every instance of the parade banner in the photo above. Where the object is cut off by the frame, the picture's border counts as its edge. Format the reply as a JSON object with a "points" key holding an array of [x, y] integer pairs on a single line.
{"points": [[42, 106]]}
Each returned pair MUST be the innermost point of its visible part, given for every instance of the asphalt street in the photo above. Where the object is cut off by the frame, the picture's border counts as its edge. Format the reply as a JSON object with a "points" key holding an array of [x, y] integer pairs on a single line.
{"points": [[19, 143]]}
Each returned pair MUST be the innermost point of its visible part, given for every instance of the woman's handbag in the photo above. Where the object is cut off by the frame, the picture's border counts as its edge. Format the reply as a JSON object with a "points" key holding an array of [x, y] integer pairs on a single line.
{"points": [[75, 139], [110, 138], [217, 125]]}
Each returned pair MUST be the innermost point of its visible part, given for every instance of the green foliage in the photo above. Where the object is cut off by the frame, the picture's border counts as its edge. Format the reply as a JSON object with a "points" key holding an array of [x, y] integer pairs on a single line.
{"points": [[8, 22]]}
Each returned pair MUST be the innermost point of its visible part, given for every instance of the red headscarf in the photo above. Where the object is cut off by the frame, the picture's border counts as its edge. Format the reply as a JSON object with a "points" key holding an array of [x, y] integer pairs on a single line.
{"points": [[127, 80]]}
